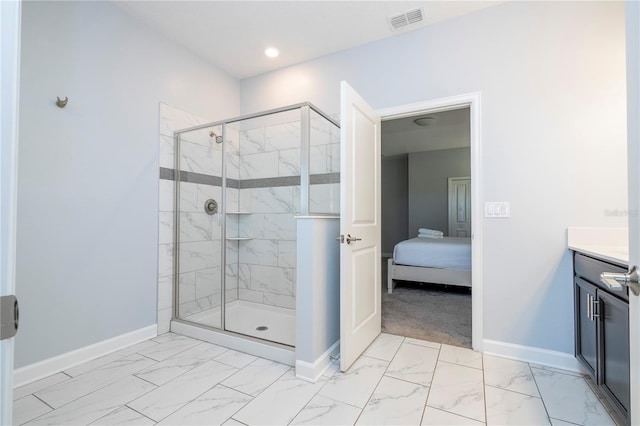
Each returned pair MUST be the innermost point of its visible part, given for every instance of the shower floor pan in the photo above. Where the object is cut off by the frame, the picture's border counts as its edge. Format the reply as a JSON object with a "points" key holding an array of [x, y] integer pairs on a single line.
{"points": [[253, 319]]}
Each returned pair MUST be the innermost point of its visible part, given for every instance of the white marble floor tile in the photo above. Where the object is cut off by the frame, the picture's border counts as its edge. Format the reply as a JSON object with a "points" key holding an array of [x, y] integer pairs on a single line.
{"points": [[107, 359], [95, 405], [167, 370], [124, 416], [395, 402], [170, 344], [570, 398], [384, 347], [461, 356], [459, 390], [356, 385], [69, 390], [39, 385], [420, 342], [232, 422], [256, 377], [28, 408], [509, 374], [279, 403], [434, 417], [172, 396], [214, 407], [235, 358], [324, 411], [414, 363], [511, 408]]}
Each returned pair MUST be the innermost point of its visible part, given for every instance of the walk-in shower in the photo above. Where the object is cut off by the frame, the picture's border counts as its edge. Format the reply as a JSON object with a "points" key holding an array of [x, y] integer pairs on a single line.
{"points": [[238, 186]]}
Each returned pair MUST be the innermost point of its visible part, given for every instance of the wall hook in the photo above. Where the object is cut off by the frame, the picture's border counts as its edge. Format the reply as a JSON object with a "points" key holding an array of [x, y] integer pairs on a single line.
{"points": [[62, 102]]}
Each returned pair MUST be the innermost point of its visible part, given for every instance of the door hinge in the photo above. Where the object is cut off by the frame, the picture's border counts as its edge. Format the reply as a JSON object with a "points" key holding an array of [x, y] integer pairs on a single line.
{"points": [[8, 317]]}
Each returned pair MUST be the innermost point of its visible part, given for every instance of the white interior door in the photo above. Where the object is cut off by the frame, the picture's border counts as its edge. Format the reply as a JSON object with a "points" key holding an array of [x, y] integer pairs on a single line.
{"points": [[633, 150], [360, 259], [10, 15], [460, 207]]}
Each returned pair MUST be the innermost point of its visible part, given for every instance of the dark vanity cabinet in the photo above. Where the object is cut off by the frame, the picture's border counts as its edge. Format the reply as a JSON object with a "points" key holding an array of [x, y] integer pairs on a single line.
{"points": [[602, 330]]}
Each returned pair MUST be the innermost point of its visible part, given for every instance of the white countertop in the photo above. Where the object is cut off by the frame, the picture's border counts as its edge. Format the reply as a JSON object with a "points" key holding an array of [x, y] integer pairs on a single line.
{"points": [[609, 244]]}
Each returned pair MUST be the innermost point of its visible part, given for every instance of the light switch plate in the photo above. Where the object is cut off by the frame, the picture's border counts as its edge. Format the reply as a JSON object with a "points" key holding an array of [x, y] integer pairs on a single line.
{"points": [[497, 209]]}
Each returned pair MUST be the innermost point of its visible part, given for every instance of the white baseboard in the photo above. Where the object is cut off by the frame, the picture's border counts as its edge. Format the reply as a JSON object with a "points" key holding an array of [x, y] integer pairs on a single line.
{"points": [[533, 355], [312, 371], [47, 367]]}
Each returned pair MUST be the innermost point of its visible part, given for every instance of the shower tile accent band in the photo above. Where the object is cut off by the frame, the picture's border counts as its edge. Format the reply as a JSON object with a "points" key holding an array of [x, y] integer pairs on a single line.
{"points": [[191, 177], [324, 178]]}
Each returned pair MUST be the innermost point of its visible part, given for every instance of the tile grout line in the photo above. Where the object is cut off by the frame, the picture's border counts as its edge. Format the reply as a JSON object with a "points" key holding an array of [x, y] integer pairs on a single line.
{"points": [[424, 409], [94, 390], [133, 409], [512, 391], [384, 374], [316, 394], [236, 390], [463, 365], [484, 393], [43, 401], [540, 392], [182, 406]]}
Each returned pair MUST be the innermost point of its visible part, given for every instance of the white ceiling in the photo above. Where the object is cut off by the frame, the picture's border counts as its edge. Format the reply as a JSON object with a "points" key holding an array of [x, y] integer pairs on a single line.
{"points": [[233, 35], [450, 129]]}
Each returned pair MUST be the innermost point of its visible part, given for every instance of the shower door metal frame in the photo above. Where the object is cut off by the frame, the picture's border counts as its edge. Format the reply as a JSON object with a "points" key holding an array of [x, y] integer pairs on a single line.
{"points": [[305, 148], [176, 225]]}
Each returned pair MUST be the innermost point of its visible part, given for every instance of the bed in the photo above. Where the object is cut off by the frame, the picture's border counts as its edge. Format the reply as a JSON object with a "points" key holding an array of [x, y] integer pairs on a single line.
{"points": [[431, 260]]}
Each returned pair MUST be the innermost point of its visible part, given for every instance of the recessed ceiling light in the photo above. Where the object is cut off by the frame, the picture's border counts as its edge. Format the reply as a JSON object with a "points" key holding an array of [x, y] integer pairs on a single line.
{"points": [[272, 52], [425, 121]]}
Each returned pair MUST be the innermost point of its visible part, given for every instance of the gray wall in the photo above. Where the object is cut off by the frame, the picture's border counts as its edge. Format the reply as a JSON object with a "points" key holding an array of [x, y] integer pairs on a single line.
{"points": [[395, 201], [88, 174], [552, 82], [429, 172]]}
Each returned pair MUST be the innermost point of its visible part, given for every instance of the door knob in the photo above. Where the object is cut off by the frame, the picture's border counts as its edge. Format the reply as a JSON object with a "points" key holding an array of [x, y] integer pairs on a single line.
{"points": [[616, 281], [350, 238]]}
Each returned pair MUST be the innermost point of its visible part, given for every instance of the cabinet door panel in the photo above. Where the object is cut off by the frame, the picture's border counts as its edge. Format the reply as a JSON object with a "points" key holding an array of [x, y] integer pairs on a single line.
{"points": [[614, 343], [586, 332]]}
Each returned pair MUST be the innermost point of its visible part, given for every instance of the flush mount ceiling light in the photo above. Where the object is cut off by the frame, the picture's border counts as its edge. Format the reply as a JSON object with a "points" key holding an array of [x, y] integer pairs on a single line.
{"points": [[425, 121], [272, 52]]}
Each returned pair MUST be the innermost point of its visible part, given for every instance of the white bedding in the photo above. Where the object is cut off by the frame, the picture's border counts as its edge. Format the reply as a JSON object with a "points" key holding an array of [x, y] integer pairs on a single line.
{"points": [[444, 253]]}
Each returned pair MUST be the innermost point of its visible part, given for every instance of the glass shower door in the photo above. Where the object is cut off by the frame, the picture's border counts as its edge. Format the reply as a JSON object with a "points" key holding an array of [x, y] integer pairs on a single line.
{"points": [[263, 197], [199, 226]]}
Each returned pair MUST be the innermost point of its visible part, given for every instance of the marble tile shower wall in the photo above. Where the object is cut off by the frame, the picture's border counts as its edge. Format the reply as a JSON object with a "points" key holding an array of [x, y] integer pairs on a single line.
{"points": [[200, 234], [261, 269], [267, 262]]}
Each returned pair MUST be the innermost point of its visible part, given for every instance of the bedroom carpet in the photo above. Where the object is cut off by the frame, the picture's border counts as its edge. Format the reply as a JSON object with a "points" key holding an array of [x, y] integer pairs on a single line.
{"points": [[428, 312]]}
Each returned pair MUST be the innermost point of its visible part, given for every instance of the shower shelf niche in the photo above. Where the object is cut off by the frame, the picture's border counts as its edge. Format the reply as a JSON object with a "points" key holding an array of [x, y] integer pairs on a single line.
{"points": [[239, 212], [239, 238]]}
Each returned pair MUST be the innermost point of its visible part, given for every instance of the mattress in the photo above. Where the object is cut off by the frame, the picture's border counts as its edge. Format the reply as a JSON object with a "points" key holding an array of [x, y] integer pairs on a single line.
{"points": [[443, 253]]}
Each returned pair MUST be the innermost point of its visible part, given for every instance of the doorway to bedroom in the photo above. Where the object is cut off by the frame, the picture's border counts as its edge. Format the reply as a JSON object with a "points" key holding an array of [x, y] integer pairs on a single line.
{"points": [[426, 226]]}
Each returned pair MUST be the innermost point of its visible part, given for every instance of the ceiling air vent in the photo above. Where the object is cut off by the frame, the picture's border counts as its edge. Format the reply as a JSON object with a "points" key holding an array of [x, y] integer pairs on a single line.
{"points": [[404, 19]]}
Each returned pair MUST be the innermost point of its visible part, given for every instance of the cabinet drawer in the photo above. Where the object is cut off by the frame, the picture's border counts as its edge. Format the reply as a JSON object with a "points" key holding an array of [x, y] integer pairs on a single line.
{"points": [[590, 269]]}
